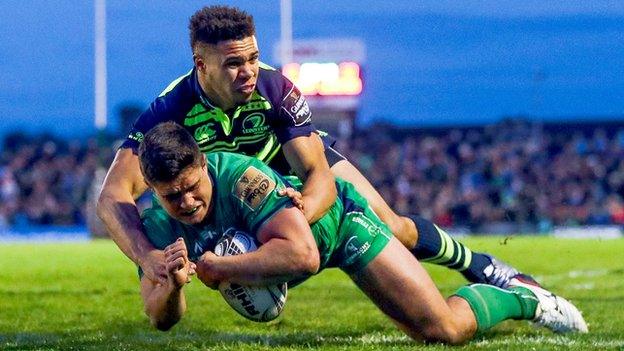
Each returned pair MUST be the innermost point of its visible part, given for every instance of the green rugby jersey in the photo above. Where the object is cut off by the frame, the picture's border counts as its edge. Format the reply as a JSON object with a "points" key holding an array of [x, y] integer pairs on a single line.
{"points": [[245, 196]]}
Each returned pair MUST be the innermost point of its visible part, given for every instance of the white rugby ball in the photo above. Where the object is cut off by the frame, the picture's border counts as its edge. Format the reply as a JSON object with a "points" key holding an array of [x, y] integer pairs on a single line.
{"points": [[257, 303]]}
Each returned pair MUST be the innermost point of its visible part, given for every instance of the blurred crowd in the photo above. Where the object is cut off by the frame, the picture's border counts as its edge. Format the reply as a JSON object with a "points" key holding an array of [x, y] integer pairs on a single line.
{"points": [[532, 176], [528, 175], [45, 181]]}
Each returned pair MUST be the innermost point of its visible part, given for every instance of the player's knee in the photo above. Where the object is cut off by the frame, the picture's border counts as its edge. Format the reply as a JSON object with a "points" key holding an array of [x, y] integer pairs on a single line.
{"points": [[436, 329], [448, 333], [403, 229]]}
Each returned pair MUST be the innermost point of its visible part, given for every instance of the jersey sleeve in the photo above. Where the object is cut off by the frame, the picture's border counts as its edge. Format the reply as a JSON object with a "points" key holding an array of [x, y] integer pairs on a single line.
{"points": [[158, 227], [159, 111], [254, 194], [294, 117]]}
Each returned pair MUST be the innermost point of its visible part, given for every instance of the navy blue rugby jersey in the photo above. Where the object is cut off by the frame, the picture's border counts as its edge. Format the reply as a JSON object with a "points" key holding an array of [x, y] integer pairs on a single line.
{"points": [[276, 113]]}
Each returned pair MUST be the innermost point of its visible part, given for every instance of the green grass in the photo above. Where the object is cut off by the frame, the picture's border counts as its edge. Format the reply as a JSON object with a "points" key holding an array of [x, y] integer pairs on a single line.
{"points": [[85, 296]]}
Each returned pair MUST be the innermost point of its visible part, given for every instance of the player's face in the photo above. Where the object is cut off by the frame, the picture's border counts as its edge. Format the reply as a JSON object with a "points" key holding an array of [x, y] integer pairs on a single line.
{"points": [[228, 71], [188, 197]]}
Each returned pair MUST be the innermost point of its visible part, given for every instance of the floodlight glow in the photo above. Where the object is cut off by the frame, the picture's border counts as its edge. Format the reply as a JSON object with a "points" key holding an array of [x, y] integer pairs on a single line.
{"points": [[325, 78]]}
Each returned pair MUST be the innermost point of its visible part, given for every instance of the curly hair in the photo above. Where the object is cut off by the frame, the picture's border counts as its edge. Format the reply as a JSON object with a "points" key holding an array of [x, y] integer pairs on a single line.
{"points": [[213, 24]]}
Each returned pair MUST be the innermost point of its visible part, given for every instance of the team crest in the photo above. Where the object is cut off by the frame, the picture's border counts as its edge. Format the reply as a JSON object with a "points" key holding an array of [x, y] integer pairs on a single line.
{"points": [[254, 123]]}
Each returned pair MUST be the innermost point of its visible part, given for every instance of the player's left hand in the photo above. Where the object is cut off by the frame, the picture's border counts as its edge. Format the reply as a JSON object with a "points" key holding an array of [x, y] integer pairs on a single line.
{"points": [[295, 196], [203, 270], [179, 267]]}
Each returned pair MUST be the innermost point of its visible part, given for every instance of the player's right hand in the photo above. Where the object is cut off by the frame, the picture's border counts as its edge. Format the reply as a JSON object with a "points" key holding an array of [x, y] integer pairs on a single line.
{"points": [[179, 268], [294, 195], [204, 272]]}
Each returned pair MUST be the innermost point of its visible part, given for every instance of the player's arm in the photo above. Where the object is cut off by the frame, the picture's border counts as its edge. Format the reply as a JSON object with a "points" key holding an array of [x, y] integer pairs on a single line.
{"points": [[117, 208], [288, 251], [305, 154], [165, 302], [304, 151]]}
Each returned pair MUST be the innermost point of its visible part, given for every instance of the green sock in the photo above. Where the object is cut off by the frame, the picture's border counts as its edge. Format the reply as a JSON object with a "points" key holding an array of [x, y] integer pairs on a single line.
{"points": [[492, 305]]}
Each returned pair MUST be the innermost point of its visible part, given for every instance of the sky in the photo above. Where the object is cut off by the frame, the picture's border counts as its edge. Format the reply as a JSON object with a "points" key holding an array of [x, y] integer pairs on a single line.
{"points": [[428, 63]]}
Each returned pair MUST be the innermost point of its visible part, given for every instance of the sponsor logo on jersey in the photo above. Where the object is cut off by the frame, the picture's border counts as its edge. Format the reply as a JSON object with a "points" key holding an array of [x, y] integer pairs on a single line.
{"points": [[208, 234], [198, 249], [354, 249], [296, 106], [360, 219], [204, 132], [253, 187], [136, 136], [254, 123]]}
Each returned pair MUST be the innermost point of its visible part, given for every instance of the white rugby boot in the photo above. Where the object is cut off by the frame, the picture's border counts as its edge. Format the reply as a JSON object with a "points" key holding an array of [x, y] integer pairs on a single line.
{"points": [[553, 312]]}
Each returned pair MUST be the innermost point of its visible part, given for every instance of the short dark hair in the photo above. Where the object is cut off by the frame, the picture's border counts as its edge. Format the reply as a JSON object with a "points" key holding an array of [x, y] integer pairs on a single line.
{"points": [[166, 151], [213, 24]]}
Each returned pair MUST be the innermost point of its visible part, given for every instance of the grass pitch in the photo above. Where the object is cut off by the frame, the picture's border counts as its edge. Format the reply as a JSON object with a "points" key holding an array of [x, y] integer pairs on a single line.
{"points": [[85, 296]]}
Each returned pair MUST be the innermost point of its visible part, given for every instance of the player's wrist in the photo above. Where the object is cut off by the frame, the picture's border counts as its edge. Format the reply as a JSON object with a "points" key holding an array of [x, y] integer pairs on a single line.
{"points": [[207, 270], [143, 247], [144, 256], [176, 282]]}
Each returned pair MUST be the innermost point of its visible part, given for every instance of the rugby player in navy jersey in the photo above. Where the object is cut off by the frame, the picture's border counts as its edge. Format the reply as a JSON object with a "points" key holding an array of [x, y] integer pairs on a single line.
{"points": [[230, 101]]}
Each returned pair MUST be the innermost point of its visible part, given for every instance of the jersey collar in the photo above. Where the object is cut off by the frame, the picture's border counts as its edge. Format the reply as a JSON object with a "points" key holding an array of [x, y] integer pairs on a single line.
{"points": [[199, 91]]}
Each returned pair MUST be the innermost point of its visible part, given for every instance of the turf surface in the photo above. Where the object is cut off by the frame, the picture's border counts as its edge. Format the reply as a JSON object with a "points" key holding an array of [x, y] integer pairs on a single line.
{"points": [[84, 296]]}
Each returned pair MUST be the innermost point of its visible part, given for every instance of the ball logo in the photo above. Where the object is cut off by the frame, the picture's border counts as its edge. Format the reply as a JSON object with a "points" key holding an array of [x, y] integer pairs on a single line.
{"points": [[257, 303], [240, 293]]}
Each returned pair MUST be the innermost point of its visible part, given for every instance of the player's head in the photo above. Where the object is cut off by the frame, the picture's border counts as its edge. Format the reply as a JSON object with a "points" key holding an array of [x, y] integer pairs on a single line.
{"points": [[225, 53], [175, 169]]}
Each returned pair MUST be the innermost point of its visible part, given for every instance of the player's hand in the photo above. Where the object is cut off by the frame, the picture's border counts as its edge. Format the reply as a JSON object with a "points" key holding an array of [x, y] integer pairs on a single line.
{"points": [[153, 266], [295, 196], [179, 268], [203, 270]]}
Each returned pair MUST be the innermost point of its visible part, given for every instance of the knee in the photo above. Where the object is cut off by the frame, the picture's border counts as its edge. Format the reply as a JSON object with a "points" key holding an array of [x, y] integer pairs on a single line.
{"points": [[403, 229], [447, 333]]}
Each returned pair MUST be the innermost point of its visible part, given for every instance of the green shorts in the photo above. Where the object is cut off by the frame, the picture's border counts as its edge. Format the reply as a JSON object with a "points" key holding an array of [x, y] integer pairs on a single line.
{"points": [[354, 236], [363, 236], [350, 235]]}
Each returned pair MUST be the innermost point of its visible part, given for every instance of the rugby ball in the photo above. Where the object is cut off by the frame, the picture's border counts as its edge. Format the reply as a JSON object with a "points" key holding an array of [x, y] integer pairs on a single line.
{"points": [[257, 303]]}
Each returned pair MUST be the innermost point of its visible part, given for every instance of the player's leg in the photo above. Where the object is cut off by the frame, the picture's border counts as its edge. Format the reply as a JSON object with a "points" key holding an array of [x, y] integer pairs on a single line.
{"points": [[403, 228], [390, 275], [398, 284], [403, 290], [424, 239]]}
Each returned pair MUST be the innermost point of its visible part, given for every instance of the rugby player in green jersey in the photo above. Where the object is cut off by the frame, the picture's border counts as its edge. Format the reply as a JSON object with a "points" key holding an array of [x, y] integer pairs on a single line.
{"points": [[230, 101], [201, 196]]}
